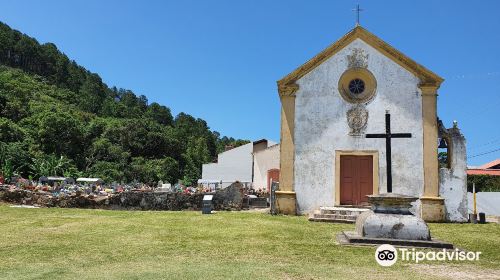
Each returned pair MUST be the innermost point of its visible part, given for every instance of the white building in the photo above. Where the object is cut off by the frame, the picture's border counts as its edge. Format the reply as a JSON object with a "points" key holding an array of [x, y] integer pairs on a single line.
{"points": [[236, 164], [266, 167], [334, 106]]}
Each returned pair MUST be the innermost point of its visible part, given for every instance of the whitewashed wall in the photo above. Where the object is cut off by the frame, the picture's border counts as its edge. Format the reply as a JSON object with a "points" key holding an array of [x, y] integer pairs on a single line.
{"points": [[321, 127], [453, 180], [265, 160], [234, 165], [486, 202]]}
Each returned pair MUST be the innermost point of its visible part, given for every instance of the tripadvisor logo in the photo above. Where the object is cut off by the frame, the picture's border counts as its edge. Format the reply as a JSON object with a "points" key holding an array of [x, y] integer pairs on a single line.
{"points": [[387, 255]]}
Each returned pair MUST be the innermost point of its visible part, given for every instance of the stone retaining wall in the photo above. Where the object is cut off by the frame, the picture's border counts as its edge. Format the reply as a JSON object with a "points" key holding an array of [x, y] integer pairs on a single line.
{"points": [[230, 198]]}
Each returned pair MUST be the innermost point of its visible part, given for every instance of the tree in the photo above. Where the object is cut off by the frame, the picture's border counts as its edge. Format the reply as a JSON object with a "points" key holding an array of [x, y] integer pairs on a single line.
{"points": [[108, 171], [484, 183], [6, 168], [196, 154], [153, 170], [221, 143], [131, 106], [13, 159], [14, 156], [10, 131], [160, 114], [92, 94], [167, 170], [443, 159], [102, 150], [187, 127], [58, 132], [16, 91]]}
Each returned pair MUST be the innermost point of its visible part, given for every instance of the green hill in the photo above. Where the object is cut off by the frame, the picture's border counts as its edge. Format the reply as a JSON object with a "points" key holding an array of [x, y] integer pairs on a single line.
{"points": [[57, 118]]}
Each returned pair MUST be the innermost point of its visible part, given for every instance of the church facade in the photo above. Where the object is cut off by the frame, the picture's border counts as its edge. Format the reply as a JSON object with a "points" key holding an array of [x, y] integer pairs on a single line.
{"points": [[329, 105]]}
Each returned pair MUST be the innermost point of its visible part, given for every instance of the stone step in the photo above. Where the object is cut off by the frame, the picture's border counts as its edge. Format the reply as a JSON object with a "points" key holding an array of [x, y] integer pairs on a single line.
{"points": [[342, 210], [367, 206], [335, 216], [312, 219]]}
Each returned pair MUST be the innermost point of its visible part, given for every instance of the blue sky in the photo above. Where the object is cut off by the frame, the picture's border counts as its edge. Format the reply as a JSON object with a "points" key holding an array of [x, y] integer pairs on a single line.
{"points": [[219, 60]]}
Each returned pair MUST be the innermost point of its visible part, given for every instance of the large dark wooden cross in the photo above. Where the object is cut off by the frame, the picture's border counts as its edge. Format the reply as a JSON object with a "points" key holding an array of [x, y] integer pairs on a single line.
{"points": [[388, 136]]}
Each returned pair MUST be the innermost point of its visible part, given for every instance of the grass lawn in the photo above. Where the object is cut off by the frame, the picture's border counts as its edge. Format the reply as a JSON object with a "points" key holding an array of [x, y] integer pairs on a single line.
{"points": [[98, 244]]}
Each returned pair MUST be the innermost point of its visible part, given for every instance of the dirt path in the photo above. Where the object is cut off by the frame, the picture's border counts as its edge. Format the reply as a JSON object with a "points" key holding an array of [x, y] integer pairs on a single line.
{"points": [[456, 271]]}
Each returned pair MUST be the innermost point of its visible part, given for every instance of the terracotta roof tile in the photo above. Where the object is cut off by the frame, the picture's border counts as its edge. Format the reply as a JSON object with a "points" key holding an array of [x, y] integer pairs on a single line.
{"points": [[490, 164], [492, 172]]}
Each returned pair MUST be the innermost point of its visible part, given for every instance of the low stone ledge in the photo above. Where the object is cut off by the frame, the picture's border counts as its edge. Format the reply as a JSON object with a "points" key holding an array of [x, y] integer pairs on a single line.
{"points": [[230, 198], [353, 238]]}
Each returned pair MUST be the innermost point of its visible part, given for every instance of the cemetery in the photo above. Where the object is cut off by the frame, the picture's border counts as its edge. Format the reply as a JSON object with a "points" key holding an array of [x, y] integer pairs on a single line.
{"points": [[138, 197]]}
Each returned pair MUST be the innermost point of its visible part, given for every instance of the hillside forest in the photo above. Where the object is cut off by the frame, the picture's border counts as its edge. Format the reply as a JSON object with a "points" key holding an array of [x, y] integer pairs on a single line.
{"points": [[58, 118]]}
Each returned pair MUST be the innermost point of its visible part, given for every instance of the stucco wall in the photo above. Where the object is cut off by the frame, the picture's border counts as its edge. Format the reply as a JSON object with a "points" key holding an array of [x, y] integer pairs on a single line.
{"points": [[321, 127], [265, 160], [232, 165], [486, 202], [453, 180], [262, 146], [235, 164]]}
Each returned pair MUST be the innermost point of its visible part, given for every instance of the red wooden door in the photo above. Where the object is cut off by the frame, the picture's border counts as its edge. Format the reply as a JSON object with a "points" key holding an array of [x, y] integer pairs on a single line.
{"points": [[274, 176], [356, 179]]}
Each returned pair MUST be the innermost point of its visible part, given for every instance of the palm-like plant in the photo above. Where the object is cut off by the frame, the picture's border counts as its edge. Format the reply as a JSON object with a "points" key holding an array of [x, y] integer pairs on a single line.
{"points": [[6, 169], [52, 165]]}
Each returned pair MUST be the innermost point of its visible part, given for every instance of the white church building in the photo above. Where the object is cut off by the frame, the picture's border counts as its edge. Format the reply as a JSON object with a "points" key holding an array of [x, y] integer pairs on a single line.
{"points": [[329, 106]]}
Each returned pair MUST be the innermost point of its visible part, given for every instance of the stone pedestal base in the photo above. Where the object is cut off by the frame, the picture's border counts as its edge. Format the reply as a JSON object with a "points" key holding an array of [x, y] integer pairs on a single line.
{"points": [[391, 218], [391, 222], [432, 209], [286, 202], [354, 239], [394, 226]]}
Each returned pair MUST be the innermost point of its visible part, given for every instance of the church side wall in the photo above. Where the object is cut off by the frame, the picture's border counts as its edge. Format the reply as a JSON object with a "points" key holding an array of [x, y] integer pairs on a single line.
{"points": [[321, 127]]}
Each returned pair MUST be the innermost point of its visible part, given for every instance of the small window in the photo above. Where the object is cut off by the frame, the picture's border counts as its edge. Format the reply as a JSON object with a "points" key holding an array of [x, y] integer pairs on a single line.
{"points": [[356, 86], [444, 156]]}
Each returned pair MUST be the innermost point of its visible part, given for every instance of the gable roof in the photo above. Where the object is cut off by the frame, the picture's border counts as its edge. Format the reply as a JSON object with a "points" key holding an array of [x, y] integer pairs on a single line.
{"points": [[427, 77], [491, 165]]}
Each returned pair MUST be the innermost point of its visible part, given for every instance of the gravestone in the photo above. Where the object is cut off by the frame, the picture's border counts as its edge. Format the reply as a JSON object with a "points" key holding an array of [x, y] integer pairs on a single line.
{"points": [[206, 207], [257, 202]]}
